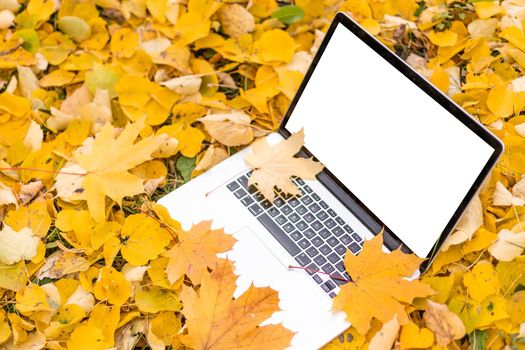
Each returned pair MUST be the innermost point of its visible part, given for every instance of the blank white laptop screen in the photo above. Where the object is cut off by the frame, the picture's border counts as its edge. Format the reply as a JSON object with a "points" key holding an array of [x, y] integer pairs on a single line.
{"points": [[403, 155]]}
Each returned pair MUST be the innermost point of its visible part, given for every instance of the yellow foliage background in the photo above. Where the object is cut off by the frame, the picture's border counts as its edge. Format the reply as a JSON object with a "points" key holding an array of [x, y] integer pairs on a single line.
{"points": [[170, 88]]}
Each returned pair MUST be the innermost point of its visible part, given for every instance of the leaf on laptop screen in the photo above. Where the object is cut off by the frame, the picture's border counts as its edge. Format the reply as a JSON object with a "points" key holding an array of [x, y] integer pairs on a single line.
{"points": [[217, 321], [274, 165], [378, 288]]}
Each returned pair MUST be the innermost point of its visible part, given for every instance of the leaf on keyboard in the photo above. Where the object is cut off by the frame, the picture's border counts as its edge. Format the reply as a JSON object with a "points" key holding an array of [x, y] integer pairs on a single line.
{"points": [[197, 250], [274, 165], [378, 288], [215, 320]]}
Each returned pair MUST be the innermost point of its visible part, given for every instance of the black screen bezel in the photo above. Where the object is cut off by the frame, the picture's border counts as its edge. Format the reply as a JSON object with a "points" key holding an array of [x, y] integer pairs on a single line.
{"points": [[341, 191]]}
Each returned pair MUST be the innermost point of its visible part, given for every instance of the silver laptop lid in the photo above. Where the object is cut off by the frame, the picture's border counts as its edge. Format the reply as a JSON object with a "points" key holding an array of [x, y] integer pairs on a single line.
{"points": [[408, 154]]}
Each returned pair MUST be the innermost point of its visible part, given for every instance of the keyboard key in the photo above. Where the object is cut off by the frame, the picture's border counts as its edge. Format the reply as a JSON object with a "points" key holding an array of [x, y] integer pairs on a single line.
{"points": [[325, 249], [346, 239], [240, 193], [316, 196], [340, 249], [281, 220], [354, 247], [340, 280], [278, 202], [348, 229], [286, 210], [320, 260], [255, 209], [328, 268], [294, 202], [322, 215], [356, 237], [259, 197], [323, 205], [279, 234], [314, 208], [308, 189], [309, 233], [301, 225], [316, 241], [324, 233], [338, 231], [332, 241], [306, 200], [309, 217], [299, 181], [288, 227], [304, 243], [303, 259], [340, 266], [311, 269], [266, 204], [232, 186], [296, 235], [273, 212], [339, 221], [294, 217], [330, 223], [311, 252], [331, 295], [332, 213], [243, 180], [333, 258], [247, 201], [328, 286], [318, 279], [302, 210], [317, 225]]}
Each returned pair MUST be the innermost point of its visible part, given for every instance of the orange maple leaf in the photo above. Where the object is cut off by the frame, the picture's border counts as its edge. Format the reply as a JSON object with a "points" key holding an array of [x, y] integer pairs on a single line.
{"points": [[216, 321], [378, 285], [197, 250]]}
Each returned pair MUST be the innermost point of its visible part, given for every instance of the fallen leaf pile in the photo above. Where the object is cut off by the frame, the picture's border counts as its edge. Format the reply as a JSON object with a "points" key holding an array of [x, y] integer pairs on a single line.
{"points": [[107, 105]]}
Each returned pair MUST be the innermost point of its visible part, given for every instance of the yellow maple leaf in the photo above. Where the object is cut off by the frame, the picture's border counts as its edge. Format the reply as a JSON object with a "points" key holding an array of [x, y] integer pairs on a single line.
{"points": [[197, 250], [102, 169], [378, 285], [217, 321], [274, 166]]}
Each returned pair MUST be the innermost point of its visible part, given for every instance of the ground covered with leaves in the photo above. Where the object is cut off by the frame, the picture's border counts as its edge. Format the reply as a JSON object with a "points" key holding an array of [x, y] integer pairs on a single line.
{"points": [[106, 106]]}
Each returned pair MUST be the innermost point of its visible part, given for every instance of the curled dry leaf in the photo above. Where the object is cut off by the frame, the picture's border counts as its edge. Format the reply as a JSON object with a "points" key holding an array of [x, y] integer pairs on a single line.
{"points": [[503, 197], [384, 338], [230, 129], [185, 85], [236, 20], [446, 325], [274, 165], [213, 156], [508, 245], [470, 221]]}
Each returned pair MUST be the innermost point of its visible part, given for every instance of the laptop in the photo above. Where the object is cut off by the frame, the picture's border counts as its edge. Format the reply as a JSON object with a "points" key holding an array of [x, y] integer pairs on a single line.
{"points": [[398, 155]]}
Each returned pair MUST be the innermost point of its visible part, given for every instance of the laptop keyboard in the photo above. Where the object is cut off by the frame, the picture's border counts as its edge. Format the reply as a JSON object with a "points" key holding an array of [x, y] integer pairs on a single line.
{"points": [[306, 227]]}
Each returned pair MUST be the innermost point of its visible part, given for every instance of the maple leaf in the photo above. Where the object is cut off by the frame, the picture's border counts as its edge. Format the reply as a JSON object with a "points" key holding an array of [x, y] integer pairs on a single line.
{"points": [[102, 168], [273, 166], [378, 285], [197, 250], [216, 321]]}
